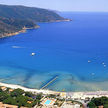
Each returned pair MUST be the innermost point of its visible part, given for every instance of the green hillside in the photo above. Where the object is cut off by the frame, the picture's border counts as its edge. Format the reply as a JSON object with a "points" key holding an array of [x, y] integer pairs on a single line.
{"points": [[29, 13], [14, 18]]}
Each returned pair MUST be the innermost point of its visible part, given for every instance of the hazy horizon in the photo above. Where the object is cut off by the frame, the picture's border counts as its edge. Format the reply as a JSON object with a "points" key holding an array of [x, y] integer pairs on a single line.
{"points": [[63, 5]]}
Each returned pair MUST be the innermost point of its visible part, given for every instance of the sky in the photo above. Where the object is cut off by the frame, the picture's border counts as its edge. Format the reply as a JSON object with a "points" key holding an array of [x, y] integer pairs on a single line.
{"points": [[63, 5]]}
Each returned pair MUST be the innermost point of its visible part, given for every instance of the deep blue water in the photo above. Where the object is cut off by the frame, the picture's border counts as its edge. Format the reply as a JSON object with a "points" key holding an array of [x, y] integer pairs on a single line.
{"points": [[62, 49]]}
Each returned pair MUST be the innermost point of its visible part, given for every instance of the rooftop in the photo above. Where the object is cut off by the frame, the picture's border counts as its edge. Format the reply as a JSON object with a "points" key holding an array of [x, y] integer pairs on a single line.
{"points": [[7, 105]]}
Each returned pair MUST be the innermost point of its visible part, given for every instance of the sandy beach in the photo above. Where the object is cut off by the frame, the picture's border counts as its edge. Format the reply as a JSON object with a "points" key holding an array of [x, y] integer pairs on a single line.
{"points": [[35, 91], [72, 95]]}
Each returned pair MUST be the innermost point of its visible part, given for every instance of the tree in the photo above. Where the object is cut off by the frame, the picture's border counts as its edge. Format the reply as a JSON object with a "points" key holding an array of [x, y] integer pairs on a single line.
{"points": [[92, 105], [106, 106], [3, 96], [17, 92], [29, 94], [10, 100], [95, 102], [39, 96]]}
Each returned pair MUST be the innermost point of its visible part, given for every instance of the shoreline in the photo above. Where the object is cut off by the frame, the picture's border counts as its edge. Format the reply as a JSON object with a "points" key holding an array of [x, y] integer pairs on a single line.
{"points": [[46, 91], [65, 20], [14, 86], [18, 32], [25, 29], [68, 95], [64, 95]]}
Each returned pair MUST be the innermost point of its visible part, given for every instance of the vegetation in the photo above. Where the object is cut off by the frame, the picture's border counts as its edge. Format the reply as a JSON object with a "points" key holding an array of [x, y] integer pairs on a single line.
{"points": [[28, 13], [14, 18], [14, 25], [51, 96], [59, 102], [20, 98], [95, 102]]}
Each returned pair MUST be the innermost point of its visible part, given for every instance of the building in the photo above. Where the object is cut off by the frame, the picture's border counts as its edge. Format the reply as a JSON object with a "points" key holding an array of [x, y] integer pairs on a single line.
{"points": [[101, 107], [63, 94], [7, 105], [29, 102], [67, 105], [10, 90], [4, 88]]}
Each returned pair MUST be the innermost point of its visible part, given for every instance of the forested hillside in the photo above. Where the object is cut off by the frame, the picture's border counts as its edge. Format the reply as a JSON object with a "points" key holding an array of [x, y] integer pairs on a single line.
{"points": [[14, 18]]}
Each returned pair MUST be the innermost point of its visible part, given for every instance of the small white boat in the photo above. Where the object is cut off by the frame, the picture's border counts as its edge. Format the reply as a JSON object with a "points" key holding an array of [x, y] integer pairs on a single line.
{"points": [[89, 61], [32, 54]]}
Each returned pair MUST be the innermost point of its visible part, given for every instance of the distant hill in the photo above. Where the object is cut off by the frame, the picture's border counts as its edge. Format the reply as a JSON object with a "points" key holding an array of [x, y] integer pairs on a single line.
{"points": [[14, 18], [14, 25]]}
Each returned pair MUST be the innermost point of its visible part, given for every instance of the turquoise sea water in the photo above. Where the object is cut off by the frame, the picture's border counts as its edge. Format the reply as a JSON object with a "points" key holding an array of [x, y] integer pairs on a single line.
{"points": [[75, 52]]}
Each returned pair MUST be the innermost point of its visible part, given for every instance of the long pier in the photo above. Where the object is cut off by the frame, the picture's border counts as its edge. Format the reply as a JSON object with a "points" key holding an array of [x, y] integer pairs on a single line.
{"points": [[51, 81]]}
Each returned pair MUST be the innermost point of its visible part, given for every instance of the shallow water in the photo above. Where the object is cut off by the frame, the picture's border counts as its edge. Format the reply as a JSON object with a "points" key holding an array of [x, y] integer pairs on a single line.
{"points": [[76, 52]]}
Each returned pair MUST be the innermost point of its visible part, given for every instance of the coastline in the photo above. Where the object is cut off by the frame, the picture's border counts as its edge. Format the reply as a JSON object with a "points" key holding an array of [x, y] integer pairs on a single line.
{"points": [[25, 29], [13, 86], [67, 95], [65, 20], [18, 32]]}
